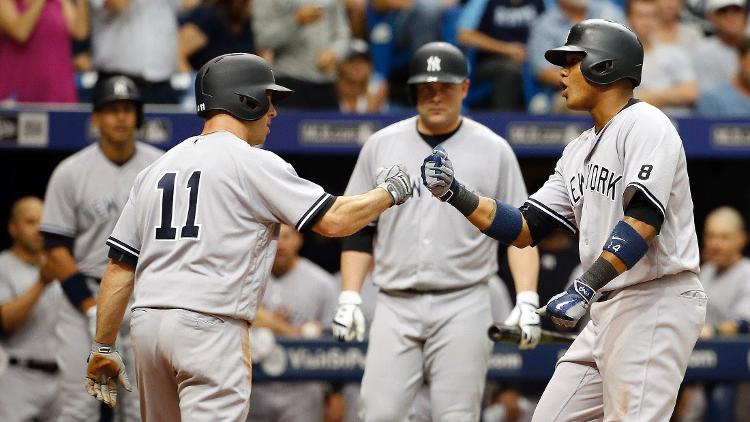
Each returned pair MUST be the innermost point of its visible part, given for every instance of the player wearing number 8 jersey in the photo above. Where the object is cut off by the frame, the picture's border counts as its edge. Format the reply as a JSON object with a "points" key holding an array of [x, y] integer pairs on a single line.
{"points": [[623, 185], [197, 239]]}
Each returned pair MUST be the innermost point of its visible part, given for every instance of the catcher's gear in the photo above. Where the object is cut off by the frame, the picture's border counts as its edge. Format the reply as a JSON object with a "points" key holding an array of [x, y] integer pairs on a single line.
{"points": [[436, 62], [395, 180], [105, 369], [349, 322], [566, 308], [238, 84], [118, 88], [612, 51], [524, 317]]}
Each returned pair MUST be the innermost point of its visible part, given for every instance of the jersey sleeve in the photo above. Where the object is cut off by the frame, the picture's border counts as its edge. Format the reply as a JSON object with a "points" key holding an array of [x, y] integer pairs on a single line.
{"points": [[289, 198], [125, 240], [552, 200], [651, 151], [59, 217]]}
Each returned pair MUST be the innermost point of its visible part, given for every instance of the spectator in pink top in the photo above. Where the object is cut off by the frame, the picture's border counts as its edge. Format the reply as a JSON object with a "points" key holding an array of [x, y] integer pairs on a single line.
{"points": [[36, 63]]}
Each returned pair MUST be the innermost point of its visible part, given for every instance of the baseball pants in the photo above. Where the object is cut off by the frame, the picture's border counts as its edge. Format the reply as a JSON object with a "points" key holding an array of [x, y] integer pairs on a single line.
{"points": [[437, 338], [28, 394], [628, 362], [191, 366], [74, 344]]}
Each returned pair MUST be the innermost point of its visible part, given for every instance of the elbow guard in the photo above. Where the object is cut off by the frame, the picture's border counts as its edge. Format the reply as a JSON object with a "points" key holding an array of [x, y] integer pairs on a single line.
{"points": [[507, 224]]}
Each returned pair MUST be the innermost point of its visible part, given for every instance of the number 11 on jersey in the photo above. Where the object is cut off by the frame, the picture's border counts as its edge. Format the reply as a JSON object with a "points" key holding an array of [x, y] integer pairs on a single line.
{"points": [[166, 184]]}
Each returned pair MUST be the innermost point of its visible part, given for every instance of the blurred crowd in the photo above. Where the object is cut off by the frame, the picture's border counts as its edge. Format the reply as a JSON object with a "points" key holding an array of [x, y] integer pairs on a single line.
{"points": [[352, 55]]}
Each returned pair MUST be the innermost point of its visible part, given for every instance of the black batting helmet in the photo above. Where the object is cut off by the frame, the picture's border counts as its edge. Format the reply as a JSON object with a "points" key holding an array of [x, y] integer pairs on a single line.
{"points": [[237, 84], [613, 52], [436, 62], [118, 88]]}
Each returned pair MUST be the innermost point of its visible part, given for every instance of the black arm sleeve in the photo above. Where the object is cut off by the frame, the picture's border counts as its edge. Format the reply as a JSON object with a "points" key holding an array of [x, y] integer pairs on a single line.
{"points": [[642, 209], [123, 256], [540, 224], [53, 240], [360, 241]]}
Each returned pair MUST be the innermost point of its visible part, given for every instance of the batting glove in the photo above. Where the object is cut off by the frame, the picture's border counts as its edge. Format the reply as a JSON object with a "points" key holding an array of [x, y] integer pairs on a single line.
{"points": [[395, 180], [349, 322], [437, 174], [525, 317], [105, 369], [91, 322], [566, 308]]}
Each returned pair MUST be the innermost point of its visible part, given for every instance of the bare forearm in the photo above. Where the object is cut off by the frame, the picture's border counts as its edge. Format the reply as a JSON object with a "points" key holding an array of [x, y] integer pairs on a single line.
{"points": [[114, 294], [16, 311], [483, 42], [354, 268], [351, 213], [680, 95], [20, 25], [267, 319], [524, 266], [116, 6]]}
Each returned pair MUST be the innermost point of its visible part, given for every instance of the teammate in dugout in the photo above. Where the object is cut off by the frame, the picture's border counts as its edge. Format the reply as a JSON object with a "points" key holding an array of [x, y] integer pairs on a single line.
{"points": [[431, 268], [183, 240], [84, 197], [624, 185]]}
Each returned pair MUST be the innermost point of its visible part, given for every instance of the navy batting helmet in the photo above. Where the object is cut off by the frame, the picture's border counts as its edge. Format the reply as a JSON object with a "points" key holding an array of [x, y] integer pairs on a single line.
{"points": [[118, 88], [612, 51], [436, 62], [237, 84]]}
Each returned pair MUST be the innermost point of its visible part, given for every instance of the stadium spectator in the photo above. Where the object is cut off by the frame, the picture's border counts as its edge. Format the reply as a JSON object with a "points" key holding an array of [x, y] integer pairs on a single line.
{"points": [[671, 30], [138, 39], [214, 28], [715, 57], [28, 302], [417, 22], [36, 62], [307, 38], [550, 29], [356, 10], [302, 293], [359, 90], [730, 98], [668, 79], [499, 29]]}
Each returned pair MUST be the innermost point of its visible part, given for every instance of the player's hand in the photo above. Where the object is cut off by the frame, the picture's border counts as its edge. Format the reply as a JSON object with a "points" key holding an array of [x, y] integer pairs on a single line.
{"points": [[525, 317], [566, 308], [326, 61], [306, 15], [349, 322], [437, 174], [105, 369], [91, 322], [395, 180]]}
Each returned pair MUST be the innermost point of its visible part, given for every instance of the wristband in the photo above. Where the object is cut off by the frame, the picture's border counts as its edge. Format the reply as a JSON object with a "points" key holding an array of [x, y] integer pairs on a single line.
{"points": [[627, 244], [350, 297], [76, 289], [507, 224], [464, 200]]}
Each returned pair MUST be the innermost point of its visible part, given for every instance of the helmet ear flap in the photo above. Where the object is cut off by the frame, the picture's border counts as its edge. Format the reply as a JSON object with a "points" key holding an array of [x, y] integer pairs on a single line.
{"points": [[603, 67]]}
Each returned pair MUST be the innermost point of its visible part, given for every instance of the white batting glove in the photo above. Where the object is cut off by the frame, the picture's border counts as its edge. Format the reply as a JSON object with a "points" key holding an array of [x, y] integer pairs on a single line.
{"points": [[105, 369], [91, 322], [525, 317], [349, 322]]}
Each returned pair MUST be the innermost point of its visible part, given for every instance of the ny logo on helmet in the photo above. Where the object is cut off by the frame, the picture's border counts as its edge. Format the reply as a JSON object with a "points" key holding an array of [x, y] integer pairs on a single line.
{"points": [[433, 64], [120, 88]]}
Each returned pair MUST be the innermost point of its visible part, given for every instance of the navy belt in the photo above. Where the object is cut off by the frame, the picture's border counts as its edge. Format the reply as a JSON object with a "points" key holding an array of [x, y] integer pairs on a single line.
{"points": [[37, 365]]}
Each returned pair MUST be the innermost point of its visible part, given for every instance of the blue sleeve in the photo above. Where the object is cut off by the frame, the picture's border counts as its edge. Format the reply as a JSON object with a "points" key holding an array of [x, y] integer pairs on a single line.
{"points": [[471, 15]]}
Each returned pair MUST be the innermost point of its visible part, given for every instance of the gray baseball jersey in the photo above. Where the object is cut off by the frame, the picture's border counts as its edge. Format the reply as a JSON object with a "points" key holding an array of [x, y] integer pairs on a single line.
{"points": [[728, 292], [597, 175], [84, 197], [203, 220], [34, 339], [424, 231], [305, 293]]}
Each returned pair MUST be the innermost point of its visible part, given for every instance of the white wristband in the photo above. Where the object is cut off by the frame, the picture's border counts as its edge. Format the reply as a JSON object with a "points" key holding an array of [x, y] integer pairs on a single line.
{"points": [[350, 297], [528, 296]]}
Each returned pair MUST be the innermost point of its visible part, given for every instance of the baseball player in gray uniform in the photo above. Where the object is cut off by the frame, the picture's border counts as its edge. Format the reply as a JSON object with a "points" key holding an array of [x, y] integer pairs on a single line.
{"points": [[197, 240], [623, 186], [28, 312], [303, 293], [431, 267], [84, 197]]}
